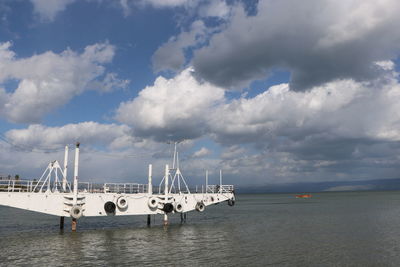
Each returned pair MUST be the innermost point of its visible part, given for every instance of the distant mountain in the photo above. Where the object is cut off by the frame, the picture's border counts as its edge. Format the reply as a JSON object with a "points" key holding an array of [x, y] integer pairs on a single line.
{"points": [[365, 185]]}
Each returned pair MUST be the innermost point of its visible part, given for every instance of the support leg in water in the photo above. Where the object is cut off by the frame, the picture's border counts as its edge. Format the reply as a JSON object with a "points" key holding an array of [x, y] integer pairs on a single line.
{"points": [[148, 220], [73, 225], [165, 220], [62, 223]]}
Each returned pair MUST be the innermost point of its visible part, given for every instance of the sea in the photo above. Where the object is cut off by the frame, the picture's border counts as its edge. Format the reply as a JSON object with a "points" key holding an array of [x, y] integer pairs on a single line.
{"points": [[329, 229]]}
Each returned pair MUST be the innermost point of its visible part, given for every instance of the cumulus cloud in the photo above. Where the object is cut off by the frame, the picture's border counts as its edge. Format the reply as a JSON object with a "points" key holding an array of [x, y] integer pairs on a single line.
{"points": [[172, 109], [317, 41], [48, 9], [48, 81], [89, 133], [340, 109], [341, 130], [332, 130]]}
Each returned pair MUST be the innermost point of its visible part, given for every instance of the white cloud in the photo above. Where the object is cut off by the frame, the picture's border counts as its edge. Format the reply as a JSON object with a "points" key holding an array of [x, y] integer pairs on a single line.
{"points": [[361, 18], [202, 152], [48, 81], [89, 133], [183, 107], [215, 8], [172, 109], [48, 9], [342, 108]]}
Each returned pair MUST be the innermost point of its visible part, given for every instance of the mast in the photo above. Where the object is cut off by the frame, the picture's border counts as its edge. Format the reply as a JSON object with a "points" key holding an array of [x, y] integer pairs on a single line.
{"points": [[174, 159], [220, 180], [64, 181], [166, 192], [206, 180], [76, 172], [150, 189]]}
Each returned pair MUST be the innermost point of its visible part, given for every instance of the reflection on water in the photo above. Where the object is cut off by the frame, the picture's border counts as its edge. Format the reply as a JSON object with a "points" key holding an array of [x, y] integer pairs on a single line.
{"points": [[331, 229]]}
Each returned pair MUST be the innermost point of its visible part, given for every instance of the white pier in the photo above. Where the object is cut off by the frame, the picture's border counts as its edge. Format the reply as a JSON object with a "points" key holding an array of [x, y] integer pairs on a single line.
{"points": [[53, 194]]}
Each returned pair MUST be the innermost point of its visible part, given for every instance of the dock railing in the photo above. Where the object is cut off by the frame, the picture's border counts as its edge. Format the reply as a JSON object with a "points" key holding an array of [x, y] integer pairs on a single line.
{"points": [[87, 187], [219, 189], [34, 186], [29, 186], [212, 189], [121, 188]]}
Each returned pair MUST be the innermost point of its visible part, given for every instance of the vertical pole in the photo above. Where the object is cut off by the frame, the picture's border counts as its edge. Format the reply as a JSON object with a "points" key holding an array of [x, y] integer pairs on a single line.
{"points": [[64, 182], [62, 223], [206, 180], [166, 192], [174, 160], [148, 220], [76, 172], [150, 189], [74, 222], [220, 180], [48, 181]]}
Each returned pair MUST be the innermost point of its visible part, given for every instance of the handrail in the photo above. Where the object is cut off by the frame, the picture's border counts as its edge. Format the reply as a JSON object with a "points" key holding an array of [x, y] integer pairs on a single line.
{"points": [[33, 186], [88, 187]]}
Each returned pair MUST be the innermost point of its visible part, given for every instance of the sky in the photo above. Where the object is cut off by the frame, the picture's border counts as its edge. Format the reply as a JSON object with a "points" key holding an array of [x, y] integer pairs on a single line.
{"points": [[271, 92]]}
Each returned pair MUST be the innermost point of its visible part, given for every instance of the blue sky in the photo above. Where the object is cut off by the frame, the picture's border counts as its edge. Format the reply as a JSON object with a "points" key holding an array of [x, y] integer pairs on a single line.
{"points": [[272, 92]]}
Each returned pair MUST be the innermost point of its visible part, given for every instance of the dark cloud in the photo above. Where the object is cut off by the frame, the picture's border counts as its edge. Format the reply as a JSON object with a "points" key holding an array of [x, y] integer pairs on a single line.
{"points": [[318, 41]]}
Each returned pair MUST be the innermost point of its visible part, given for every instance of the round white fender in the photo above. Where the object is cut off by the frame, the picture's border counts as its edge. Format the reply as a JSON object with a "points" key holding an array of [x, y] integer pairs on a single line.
{"points": [[200, 206], [122, 202], [76, 212], [178, 207], [153, 203]]}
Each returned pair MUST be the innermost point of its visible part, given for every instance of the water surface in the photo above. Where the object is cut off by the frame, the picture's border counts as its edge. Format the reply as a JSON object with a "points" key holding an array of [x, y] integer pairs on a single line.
{"points": [[331, 229]]}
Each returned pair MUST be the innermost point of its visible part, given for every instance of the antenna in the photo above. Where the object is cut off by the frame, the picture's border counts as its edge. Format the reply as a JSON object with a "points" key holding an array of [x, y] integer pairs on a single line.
{"points": [[175, 156]]}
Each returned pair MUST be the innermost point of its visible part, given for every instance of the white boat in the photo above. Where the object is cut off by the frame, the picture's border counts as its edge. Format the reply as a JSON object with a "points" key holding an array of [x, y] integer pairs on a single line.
{"points": [[53, 194]]}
